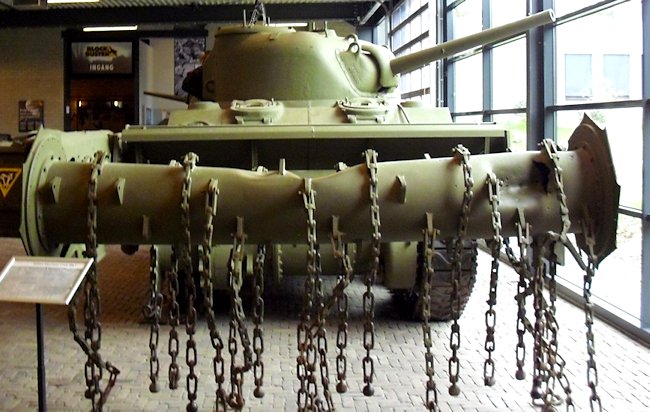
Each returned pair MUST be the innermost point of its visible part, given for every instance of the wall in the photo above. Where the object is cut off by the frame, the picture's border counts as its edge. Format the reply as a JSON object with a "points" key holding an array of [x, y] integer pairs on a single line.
{"points": [[31, 67]]}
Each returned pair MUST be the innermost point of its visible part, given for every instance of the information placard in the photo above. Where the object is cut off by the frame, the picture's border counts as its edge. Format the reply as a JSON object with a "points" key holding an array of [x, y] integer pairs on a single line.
{"points": [[46, 280]]}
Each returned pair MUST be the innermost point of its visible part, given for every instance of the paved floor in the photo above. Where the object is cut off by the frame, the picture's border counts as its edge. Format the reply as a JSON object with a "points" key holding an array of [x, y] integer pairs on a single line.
{"points": [[623, 365]]}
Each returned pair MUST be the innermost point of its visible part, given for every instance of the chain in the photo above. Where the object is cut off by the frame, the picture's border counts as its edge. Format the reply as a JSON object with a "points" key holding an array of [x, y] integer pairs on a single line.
{"points": [[590, 271], [496, 242], [174, 316], [258, 319], [218, 364], [550, 148], [90, 343], [321, 338], [461, 154], [431, 397], [189, 162], [540, 370], [521, 266], [555, 362], [304, 369], [237, 327], [153, 311], [346, 272], [368, 295]]}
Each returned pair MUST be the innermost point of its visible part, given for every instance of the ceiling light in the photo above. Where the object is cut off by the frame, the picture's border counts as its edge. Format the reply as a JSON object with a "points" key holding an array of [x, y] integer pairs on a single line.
{"points": [[71, 1], [111, 28], [296, 24]]}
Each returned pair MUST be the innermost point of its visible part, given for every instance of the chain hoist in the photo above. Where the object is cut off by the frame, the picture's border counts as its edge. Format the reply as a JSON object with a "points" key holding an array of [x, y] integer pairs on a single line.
{"points": [[258, 320], [371, 275], [461, 155], [236, 325], [346, 272], [493, 185], [522, 267], [90, 343], [430, 233], [218, 363], [152, 311]]}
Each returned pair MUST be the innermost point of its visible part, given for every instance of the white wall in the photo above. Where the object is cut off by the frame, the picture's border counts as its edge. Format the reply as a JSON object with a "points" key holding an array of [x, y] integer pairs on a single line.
{"points": [[31, 67]]}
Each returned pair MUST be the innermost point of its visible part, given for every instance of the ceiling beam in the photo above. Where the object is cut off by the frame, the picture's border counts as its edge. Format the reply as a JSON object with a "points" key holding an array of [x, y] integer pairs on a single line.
{"points": [[350, 12]]}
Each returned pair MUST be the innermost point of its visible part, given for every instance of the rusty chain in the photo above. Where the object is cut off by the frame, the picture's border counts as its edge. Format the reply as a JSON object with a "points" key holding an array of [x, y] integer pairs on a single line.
{"points": [[174, 316], [493, 185], [461, 154], [258, 320], [237, 317], [189, 163], [371, 275], [539, 327], [431, 395], [590, 271], [153, 311], [304, 339], [90, 343], [321, 337], [346, 272], [218, 364], [521, 266]]}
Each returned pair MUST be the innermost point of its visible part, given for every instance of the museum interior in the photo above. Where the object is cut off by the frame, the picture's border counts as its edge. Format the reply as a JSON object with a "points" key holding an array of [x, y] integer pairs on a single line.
{"points": [[323, 204]]}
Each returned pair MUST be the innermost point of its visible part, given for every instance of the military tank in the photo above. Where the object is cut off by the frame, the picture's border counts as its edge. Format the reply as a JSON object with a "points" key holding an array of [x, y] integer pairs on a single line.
{"points": [[306, 105]]}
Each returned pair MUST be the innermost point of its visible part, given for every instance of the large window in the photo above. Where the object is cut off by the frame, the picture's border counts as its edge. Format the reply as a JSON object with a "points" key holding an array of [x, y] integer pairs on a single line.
{"points": [[589, 62]]}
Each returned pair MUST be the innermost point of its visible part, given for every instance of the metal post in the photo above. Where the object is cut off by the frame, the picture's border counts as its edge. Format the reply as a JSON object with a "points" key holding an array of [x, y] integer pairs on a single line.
{"points": [[40, 351], [488, 100], [645, 225], [540, 59]]}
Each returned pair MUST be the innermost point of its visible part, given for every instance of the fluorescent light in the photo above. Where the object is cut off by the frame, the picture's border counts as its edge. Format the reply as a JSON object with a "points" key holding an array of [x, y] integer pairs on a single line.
{"points": [[296, 24], [71, 1], [111, 28]]}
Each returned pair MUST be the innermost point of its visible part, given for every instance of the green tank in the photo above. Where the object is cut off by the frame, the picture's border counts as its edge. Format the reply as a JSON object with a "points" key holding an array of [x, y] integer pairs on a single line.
{"points": [[298, 145], [312, 102]]}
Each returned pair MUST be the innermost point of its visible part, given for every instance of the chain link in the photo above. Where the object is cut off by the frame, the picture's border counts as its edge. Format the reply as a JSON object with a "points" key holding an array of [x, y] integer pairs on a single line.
{"points": [[461, 154], [90, 343], [189, 162], [174, 316], [237, 316], [368, 295], [590, 271], [495, 243], [258, 320], [431, 396], [346, 272], [152, 311], [211, 199], [522, 267]]}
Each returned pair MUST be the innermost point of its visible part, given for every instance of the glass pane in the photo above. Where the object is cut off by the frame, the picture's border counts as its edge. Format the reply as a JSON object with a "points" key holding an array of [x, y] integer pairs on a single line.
{"points": [[506, 11], [596, 65], [515, 124], [468, 85], [467, 18], [563, 7], [577, 76], [622, 292], [468, 119], [625, 140], [509, 75]]}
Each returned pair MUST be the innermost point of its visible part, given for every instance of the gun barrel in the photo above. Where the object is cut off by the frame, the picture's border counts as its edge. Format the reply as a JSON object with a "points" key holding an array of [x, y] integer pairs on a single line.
{"points": [[418, 59]]}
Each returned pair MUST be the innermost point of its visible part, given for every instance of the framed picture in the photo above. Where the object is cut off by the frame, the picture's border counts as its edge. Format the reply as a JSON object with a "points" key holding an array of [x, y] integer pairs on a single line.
{"points": [[30, 115]]}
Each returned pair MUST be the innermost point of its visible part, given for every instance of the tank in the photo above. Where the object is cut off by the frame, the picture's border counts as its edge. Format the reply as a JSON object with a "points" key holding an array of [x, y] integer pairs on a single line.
{"points": [[297, 144]]}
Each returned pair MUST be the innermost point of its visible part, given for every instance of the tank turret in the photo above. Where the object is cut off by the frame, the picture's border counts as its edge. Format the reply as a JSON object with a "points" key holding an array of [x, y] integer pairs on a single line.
{"points": [[265, 62]]}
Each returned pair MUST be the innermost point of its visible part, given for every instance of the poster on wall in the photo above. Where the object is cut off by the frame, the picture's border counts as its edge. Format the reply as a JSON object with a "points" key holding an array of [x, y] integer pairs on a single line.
{"points": [[30, 115], [188, 55], [101, 57]]}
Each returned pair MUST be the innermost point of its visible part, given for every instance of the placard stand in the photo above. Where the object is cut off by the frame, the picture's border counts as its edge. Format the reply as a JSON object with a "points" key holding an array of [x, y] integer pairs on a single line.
{"points": [[42, 280]]}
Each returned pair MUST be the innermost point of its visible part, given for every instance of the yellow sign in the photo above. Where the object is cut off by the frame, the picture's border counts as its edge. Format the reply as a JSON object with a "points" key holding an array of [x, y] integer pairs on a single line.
{"points": [[8, 177]]}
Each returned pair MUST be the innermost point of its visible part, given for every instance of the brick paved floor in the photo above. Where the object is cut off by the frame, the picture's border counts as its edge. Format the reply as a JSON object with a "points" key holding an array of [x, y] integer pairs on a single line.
{"points": [[623, 365]]}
